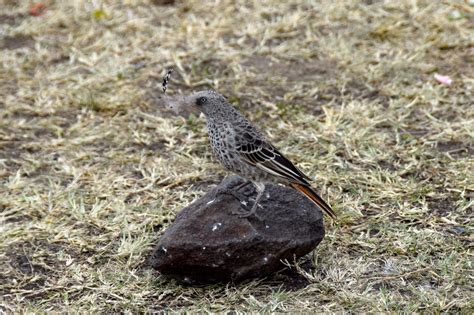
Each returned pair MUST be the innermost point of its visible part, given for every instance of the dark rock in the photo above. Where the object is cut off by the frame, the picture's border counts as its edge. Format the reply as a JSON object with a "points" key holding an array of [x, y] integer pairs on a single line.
{"points": [[208, 243]]}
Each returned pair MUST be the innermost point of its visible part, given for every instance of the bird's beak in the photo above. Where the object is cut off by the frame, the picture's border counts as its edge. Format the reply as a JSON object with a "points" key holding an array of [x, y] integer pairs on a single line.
{"points": [[180, 105]]}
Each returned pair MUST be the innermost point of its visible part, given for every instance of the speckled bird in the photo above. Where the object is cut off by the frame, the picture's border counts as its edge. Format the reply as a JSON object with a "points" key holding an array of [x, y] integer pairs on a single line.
{"points": [[243, 149]]}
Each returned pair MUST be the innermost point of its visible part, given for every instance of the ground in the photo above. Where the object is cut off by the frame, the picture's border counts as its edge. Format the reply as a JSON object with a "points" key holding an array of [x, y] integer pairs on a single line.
{"points": [[93, 170]]}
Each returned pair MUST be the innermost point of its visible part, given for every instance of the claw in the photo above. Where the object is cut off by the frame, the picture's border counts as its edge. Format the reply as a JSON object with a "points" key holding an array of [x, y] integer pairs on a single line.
{"points": [[243, 213]]}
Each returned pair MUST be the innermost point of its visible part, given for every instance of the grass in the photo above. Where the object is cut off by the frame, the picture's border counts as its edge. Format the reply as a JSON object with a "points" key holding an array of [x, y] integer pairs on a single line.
{"points": [[92, 170]]}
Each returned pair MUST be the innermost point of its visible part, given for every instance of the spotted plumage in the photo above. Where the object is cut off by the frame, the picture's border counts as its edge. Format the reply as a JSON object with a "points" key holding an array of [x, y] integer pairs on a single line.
{"points": [[243, 149]]}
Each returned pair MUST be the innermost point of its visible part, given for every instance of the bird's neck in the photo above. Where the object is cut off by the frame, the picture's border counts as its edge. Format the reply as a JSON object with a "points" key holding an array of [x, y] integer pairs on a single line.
{"points": [[223, 114]]}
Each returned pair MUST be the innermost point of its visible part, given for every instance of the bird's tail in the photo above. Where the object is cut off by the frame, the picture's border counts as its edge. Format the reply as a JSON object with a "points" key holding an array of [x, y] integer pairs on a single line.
{"points": [[313, 196]]}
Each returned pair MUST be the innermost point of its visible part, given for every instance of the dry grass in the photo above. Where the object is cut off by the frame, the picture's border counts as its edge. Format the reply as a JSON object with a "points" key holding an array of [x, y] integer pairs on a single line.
{"points": [[92, 171]]}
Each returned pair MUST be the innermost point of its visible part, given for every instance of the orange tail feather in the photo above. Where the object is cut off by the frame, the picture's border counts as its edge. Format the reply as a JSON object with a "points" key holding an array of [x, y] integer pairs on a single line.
{"points": [[313, 196]]}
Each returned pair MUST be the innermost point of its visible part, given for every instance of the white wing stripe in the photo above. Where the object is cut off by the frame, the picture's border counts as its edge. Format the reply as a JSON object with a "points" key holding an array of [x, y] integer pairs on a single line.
{"points": [[269, 170]]}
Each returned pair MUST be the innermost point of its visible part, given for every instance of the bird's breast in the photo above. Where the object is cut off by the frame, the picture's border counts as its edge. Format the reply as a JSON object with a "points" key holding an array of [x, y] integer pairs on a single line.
{"points": [[222, 140]]}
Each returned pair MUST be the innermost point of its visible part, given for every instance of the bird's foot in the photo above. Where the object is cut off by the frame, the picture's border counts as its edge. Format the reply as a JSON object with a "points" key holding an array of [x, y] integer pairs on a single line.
{"points": [[232, 193], [243, 213]]}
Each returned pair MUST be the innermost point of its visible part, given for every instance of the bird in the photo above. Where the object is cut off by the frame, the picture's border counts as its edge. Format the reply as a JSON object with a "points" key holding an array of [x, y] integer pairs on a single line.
{"points": [[243, 149]]}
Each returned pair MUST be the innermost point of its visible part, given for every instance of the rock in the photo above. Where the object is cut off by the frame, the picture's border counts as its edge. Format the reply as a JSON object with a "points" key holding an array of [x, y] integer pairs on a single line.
{"points": [[208, 243]]}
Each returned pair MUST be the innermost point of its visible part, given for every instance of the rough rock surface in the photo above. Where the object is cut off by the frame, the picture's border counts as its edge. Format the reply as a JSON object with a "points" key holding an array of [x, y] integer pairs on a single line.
{"points": [[208, 243]]}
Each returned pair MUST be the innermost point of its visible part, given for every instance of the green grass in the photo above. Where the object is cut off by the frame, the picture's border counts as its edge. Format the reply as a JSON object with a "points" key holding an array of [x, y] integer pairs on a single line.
{"points": [[93, 169]]}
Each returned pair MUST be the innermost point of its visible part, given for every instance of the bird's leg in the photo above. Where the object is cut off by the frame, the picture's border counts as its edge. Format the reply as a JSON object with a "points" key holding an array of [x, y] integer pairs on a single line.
{"points": [[242, 185], [260, 190], [234, 191]]}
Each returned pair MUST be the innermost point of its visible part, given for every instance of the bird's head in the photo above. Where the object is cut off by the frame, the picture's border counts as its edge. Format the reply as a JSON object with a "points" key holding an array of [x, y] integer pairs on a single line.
{"points": [[208, 102]]}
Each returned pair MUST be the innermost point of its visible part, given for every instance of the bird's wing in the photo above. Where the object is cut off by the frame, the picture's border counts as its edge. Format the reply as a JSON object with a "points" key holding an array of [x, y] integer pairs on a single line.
{"points": [[263, 155]]}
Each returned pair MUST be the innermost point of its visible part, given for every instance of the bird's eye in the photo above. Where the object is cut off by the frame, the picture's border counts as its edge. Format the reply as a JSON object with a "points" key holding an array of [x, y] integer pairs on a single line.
{"points": [[201, 101]]}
